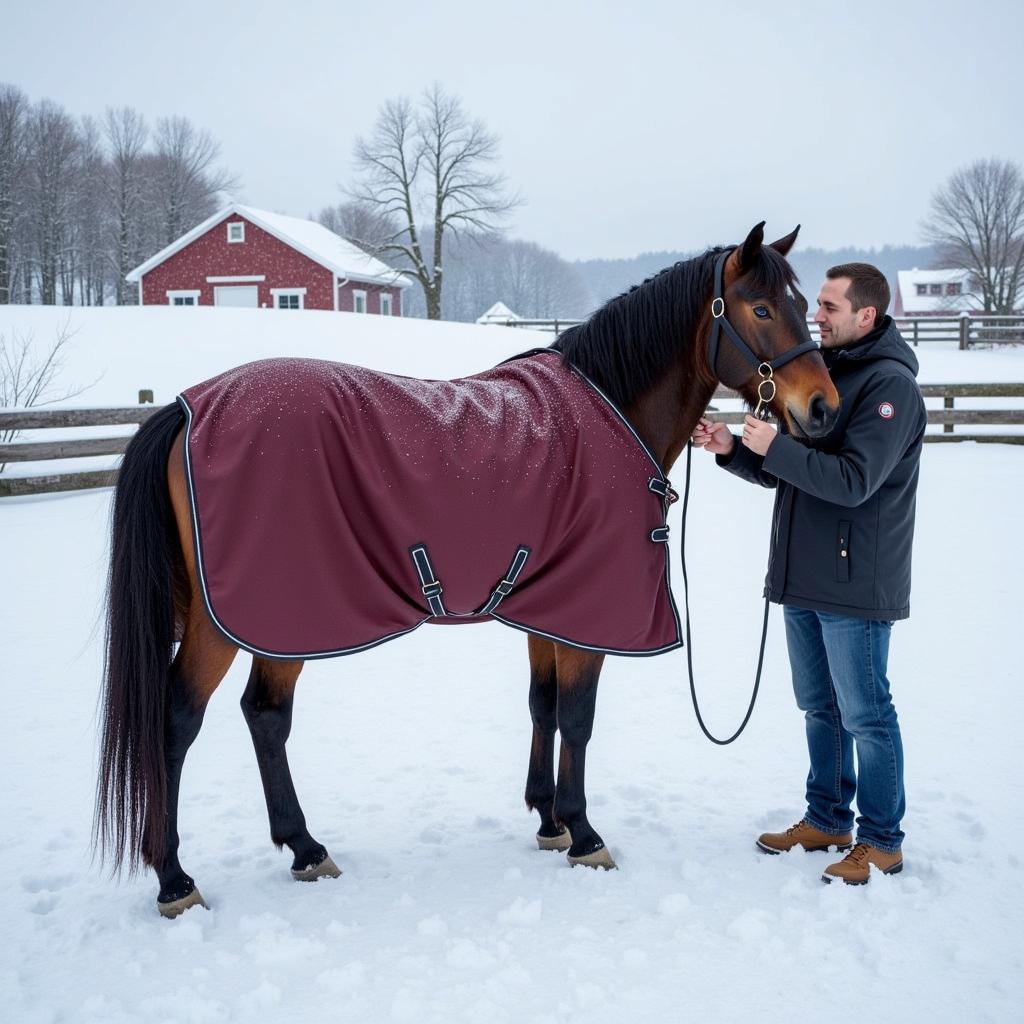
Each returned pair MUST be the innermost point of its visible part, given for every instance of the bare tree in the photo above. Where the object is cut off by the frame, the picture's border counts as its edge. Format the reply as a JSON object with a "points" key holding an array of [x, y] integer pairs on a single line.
{"points": [[187, 182], [432, 166], [364, 224], [13, 118], [126, 134], [976, 221], [28, 377], [531, 280], [51, 181], [537, 282], [84, 265]]}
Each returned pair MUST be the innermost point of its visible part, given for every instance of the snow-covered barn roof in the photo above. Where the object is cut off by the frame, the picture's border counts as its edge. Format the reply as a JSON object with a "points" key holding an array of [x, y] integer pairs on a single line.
{"points": [[320, 244], [908, 281]]}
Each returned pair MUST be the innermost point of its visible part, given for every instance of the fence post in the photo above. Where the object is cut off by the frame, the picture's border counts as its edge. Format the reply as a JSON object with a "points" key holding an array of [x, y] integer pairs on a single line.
{"points": [[947, 403], [965, 330]]}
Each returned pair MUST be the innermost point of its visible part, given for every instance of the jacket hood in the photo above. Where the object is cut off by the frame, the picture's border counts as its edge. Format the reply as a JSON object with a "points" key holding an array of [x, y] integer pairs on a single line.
{"points": [[884, 342]]}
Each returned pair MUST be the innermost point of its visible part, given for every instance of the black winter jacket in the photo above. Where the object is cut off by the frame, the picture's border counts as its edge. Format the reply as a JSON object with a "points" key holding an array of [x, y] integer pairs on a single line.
{"points": [[843, 524]]}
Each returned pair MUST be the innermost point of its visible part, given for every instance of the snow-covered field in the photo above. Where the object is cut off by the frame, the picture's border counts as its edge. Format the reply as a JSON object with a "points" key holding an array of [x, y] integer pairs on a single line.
{"points": [[410, 762]]}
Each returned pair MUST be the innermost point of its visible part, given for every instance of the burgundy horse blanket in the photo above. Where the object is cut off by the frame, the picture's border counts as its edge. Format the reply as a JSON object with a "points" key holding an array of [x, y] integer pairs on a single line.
{"points": [[335, 507]]}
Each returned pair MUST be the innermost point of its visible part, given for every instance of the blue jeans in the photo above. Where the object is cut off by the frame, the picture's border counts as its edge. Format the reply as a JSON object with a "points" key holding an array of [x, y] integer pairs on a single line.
{"points": [[838, 665]]}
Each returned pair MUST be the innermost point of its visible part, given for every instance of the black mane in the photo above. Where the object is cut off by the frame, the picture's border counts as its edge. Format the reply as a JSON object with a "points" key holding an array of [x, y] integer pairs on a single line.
{"points": [[627, 344]]}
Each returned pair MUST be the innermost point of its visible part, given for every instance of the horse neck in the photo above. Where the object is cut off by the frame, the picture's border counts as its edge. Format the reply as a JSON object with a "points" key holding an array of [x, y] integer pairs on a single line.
{"points": [[665, 416]]}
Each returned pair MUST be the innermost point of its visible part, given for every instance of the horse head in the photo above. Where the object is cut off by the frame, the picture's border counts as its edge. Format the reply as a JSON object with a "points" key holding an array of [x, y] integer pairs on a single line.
{"points": [[757, 339]]}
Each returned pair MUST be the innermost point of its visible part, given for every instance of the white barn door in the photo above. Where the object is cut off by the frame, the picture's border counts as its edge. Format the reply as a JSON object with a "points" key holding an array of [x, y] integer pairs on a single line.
{"points": [[236, 295]]}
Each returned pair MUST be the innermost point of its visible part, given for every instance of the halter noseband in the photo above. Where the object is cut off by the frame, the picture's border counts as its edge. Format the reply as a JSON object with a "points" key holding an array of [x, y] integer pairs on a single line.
{"points": [[720, 322]]}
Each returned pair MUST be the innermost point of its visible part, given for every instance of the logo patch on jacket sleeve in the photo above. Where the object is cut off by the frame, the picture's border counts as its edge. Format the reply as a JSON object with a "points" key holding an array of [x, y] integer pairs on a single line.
{"points": [[887, 410]]}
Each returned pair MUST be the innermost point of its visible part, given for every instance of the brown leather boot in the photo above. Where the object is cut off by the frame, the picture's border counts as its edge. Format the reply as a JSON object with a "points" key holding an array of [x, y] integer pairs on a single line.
{"points": [[804, 834], [855, 867]]}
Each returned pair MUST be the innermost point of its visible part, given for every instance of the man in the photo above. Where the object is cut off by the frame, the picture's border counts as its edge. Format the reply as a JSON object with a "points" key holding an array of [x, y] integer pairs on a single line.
{"points": [[840, 557]]}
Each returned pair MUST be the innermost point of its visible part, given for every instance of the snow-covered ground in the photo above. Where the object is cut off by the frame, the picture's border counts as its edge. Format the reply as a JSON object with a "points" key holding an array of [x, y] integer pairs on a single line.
{"points": [[410, 762]]}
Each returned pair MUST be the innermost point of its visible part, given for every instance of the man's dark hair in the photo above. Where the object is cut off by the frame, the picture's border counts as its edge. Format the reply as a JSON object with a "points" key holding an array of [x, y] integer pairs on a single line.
{"points": [[868, 287]]}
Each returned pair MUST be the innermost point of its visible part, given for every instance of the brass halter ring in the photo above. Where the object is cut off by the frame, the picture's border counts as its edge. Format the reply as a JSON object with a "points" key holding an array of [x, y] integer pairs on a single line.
{"points": [[764, 400]]}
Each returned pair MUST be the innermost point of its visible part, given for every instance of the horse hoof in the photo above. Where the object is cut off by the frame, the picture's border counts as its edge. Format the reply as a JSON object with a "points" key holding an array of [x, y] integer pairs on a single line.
{"points": [[176, 907], [598, 859], [560, 842], [325, 869]]}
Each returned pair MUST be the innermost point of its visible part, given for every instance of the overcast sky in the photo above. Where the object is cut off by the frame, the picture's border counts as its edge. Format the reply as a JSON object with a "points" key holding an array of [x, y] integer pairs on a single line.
{"points": [[670, 125]]}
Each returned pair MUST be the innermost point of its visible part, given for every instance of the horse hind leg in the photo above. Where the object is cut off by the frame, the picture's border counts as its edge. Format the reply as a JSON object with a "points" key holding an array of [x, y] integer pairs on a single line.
{"points": [[540, 777], [267, 706], [578, 673], [202, 661]]}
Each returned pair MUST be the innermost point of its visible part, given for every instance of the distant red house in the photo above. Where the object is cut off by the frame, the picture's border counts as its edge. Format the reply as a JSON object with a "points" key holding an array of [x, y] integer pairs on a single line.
{"points": [[246, 257]]}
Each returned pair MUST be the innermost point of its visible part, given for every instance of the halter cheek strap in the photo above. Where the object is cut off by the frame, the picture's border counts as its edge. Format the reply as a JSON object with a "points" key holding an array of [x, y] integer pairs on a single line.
{"points": [[720, 323]]}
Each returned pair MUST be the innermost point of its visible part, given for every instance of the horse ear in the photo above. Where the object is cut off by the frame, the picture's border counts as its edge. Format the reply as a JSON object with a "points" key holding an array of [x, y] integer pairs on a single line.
{"points": [[751, 247], [783, 245]]}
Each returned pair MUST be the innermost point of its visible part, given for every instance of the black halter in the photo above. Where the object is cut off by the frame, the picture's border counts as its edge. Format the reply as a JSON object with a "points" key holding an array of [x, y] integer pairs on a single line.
{"points": [[720, 322]]}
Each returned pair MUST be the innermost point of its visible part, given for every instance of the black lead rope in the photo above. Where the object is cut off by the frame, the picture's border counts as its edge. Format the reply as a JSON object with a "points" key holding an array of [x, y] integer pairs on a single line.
{"points": [[719, 324], [689, 644]]}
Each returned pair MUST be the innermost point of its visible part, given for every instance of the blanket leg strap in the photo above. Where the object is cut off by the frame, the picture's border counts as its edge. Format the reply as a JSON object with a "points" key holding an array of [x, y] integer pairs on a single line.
{"points": [[429, 584], [505, 586]]}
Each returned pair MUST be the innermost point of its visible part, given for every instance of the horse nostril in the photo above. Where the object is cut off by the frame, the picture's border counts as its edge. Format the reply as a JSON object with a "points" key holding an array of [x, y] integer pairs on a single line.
{"points": [[818, 411]]}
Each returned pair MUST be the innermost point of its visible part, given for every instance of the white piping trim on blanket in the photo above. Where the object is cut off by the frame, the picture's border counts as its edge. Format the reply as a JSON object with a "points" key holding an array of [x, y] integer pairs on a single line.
{"points": [[585, 647], [245, 645], [625, 422]]}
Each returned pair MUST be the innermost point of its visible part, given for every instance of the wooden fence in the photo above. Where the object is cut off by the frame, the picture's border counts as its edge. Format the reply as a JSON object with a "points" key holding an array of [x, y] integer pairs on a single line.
{"points": [[965, 329], [53, 419], [35, 419]]}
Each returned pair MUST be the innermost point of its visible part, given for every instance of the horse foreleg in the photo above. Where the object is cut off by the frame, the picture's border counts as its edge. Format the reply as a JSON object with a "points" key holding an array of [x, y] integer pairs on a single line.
{"points": [[267, 706], [577, 672], [540, 777], [202, 661]]}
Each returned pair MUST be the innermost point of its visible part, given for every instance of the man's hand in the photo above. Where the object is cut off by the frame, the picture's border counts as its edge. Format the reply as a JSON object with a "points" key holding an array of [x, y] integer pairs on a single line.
{"points": [[758, 435], [715, 437]]}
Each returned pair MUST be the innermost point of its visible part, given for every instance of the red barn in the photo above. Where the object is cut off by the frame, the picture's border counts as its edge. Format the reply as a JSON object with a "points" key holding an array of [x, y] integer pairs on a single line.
{"points": [[246, 257]]}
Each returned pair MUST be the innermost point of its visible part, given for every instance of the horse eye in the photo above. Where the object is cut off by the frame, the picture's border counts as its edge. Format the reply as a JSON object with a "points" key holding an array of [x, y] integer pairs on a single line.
{"points": [[761, 312]]}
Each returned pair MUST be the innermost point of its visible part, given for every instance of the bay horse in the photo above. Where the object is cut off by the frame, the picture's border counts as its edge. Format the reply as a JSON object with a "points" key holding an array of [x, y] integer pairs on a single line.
{"points": [[654, 355]]}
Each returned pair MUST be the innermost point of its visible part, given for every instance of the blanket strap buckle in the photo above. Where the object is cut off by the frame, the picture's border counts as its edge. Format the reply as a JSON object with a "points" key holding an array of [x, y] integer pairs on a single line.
{"points": [[429, 584], [663, 489], [505, 586]]}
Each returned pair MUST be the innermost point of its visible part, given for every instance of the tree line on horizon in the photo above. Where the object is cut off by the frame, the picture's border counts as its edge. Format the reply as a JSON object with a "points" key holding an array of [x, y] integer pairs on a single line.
{"points": [[83, 201]]}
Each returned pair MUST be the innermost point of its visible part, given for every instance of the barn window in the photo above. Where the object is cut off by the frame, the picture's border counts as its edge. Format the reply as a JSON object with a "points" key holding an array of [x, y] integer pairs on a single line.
{"points": [[236, 231], [922, 289], [289, 298], [953, 288], [183, 298], [385, 303], [935, 289], [358, 302]]}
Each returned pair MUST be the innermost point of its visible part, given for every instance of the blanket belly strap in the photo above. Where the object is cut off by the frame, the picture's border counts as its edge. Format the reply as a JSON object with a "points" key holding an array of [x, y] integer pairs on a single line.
{"points": [[432, 589]]}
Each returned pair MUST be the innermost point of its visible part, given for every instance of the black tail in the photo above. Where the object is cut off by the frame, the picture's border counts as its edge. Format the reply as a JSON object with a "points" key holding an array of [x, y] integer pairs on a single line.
{"points": [[145, 555]]}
